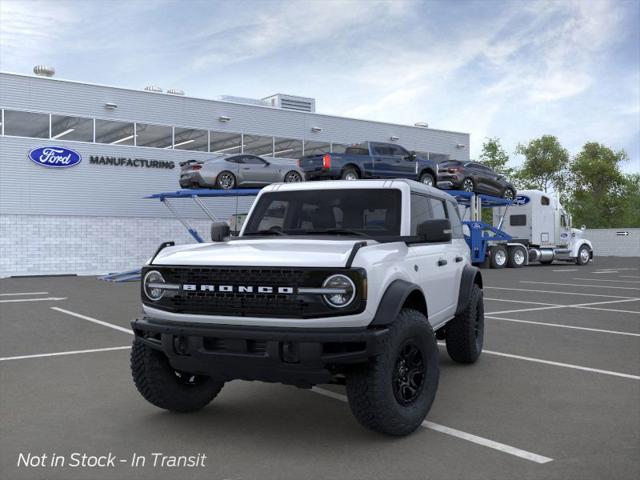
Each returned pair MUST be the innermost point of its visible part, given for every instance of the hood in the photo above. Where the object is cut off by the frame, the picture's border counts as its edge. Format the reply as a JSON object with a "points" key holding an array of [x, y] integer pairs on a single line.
{"points": [[271, 252]]}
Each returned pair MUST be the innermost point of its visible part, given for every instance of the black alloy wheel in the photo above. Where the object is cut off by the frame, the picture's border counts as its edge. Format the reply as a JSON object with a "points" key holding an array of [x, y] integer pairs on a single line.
{"points": [[408, 374]]}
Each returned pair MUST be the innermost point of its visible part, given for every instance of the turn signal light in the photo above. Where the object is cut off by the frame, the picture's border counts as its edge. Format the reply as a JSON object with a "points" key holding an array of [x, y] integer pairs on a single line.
{"points": [[196, 167], [326, 161], [454, 170]]}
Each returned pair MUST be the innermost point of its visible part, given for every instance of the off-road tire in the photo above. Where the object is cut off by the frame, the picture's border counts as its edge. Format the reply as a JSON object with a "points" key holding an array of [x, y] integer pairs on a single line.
{"points": [[496, 258], [465, 333], [370, 387], [426, 176], [158, 383], [348, 174]]}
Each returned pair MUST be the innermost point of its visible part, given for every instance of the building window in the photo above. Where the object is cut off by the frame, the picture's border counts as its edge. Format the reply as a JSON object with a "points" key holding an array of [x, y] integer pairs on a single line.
{"points": [[26, 124], [287, 148], [225, 143], [191, 139], [71, 128], [157, 136], [258, 145], [114, 133], [316, 148]]}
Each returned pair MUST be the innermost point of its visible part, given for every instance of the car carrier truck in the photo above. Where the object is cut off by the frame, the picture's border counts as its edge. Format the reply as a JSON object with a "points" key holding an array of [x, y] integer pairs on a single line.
{"points": [[540, 229]]}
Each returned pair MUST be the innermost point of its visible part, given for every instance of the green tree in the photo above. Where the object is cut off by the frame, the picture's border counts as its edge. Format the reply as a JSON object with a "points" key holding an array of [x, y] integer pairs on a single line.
{"points": [[495, 157], [599, 194], [630, 216], [545, 164]]}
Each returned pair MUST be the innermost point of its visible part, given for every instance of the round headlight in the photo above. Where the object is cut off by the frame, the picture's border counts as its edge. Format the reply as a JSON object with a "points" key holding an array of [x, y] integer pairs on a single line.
{"points": [[151, 283], [345, 291]]}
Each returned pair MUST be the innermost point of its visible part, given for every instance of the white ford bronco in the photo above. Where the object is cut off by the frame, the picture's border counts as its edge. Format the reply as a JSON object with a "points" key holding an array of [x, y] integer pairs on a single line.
{"points": [[346, 282]]}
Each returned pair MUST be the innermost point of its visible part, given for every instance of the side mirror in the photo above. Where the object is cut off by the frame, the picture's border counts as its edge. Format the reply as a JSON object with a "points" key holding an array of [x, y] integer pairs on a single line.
{"points": [[411, 156], [434, 231], [220, 231], [583, 228]]}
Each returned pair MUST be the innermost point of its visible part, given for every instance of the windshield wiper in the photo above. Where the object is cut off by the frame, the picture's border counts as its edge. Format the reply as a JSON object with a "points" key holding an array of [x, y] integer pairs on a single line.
{"points": [[336, 231]]}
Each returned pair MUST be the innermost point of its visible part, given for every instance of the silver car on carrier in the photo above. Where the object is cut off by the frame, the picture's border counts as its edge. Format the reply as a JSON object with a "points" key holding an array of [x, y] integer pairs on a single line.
{"points": [[236, 171]]}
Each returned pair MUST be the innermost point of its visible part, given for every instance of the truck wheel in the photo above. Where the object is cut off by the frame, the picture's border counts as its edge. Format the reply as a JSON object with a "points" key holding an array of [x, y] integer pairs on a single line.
{"points": [[167, 388], [583, 255], [498, 256], [350, 173], [517, 257], [465, 333], [394, 392], [427, 179], [468, 185]]}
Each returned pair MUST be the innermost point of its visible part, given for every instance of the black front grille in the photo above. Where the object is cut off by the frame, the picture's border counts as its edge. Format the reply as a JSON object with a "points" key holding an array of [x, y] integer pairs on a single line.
{"points": [[234, 303]]}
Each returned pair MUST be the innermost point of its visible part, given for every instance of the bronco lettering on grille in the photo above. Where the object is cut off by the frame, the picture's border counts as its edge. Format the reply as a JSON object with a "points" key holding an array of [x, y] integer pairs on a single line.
{"points": [[191, 287]]}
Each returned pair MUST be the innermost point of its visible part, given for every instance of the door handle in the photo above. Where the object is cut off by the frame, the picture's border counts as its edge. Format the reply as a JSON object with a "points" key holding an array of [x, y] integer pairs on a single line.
{"points": [[246, 168], [459, 259], [442, 262]]}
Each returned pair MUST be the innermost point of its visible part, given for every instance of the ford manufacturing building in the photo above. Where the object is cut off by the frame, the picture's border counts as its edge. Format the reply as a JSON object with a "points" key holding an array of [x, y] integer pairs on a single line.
{"points": [[91, 218]]}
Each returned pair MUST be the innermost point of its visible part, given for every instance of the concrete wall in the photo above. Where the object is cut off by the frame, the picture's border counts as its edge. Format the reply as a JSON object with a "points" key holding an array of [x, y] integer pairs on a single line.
{"points": [[50, 245], [608, 242]]}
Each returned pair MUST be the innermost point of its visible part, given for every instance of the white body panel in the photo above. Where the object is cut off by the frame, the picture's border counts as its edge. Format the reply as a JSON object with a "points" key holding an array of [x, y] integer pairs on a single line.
{"points": [[383, 262]]}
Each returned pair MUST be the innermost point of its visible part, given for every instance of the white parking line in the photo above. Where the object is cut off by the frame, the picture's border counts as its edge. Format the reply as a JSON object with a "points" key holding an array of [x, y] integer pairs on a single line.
{"points": [[573, 327], [23, 293], [588, 306], [580, 285], [606, 280], [611, 310], [556, 292], [57, 354], [567, 270], [519, 301], [485, 442], [565, 365], [629, 276], [93, 320], [47, 299]]}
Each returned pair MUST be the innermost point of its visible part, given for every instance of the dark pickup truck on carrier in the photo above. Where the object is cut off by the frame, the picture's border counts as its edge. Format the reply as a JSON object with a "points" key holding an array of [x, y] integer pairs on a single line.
{"points": [[370, 160]]}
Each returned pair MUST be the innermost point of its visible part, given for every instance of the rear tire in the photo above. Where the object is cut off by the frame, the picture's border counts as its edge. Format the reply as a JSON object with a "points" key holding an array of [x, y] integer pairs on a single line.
{"points": [[427, 179], [517, 257], [163, 386], [292, 177], [226, 180], [509, 194], [468, 185], [499, 256], [394, 393], [465, 333], [350, 173]]}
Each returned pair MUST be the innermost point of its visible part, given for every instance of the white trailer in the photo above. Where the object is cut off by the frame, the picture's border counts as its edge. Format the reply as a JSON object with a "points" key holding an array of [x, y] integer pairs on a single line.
{"points": [[537, 222]]}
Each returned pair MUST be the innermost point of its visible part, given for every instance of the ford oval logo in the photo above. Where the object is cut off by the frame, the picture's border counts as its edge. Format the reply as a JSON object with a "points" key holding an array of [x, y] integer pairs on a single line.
{"points": [[55, 157], [521, 200]]}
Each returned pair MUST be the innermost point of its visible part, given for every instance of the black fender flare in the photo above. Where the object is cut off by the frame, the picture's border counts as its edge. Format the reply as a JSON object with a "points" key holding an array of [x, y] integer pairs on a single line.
{"points": [[470, 275], [430, 171], [393, 300]]}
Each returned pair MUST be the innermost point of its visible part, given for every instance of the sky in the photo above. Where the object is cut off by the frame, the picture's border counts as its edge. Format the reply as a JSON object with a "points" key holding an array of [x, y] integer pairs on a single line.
{"points": [[509, 69]]}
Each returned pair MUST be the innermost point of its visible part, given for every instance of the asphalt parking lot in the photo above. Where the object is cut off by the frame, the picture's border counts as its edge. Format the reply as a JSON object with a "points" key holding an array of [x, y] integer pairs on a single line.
{"points": [[555, 395]]}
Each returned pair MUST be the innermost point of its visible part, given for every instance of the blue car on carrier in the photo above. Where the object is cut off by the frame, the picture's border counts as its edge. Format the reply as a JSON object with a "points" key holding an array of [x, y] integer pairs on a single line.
{"points": [[370, 160]]}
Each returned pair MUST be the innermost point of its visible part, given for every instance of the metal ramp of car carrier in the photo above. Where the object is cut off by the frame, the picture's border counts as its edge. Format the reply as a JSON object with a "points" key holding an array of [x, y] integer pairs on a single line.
{"points": [[481, 234], [196, 195]]}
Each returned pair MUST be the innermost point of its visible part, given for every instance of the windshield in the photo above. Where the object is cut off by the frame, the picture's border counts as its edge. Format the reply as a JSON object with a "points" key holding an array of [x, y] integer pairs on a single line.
{"points": [[358, 212]]}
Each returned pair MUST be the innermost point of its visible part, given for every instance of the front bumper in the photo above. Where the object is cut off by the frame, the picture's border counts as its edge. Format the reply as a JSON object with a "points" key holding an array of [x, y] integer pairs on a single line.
{"points": [[302, 357]]}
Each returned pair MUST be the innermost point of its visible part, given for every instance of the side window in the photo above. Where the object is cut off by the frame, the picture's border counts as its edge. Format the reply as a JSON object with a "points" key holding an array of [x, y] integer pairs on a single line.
{"points": [[456, 223], [250, 159], [234, 160], [563, 220], [544, 201], [437, 207], [381, 149], [518, 220], [398, 151], [420, 211]]}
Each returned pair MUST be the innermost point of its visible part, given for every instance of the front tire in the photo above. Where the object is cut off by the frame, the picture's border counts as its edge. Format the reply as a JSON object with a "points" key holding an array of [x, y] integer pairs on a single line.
{"points": [[465, 333], [394, 393], [163, 386], [584, 255], [468, 185], [427, 179], [509, 194], [226, 180]]}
